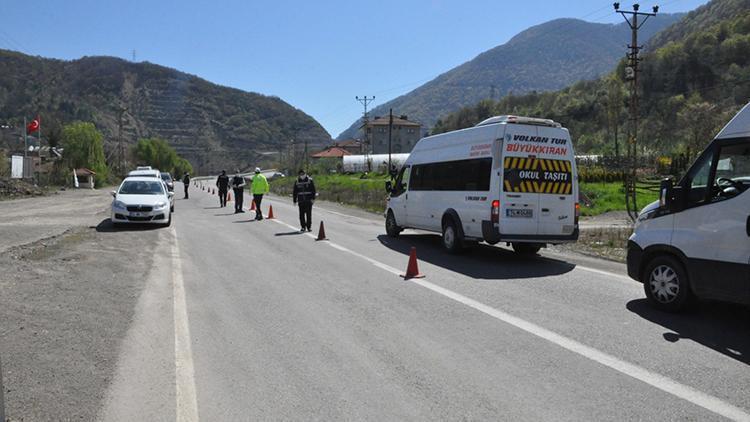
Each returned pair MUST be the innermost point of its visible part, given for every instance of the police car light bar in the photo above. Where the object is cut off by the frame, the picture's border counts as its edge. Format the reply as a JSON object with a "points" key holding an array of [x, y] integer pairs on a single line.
{"points": [[520, 120]]}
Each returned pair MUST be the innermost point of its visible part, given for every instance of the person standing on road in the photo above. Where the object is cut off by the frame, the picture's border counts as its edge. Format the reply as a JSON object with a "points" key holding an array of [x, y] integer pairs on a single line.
{"points": [[222, 182], [259, 187], [186, 182], [303, 195], [238, 185]]}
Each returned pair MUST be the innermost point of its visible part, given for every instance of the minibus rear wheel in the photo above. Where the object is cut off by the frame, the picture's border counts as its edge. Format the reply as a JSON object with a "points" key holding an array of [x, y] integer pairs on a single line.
{"points": [[526, 248], [452, 239]]}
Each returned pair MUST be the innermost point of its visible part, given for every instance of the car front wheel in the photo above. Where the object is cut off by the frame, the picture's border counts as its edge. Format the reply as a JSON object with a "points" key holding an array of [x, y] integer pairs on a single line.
{"points": [[666, 284]]}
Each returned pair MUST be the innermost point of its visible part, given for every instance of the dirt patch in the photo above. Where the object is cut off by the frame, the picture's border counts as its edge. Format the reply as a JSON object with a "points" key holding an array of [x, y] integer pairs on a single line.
{"points": [[66, 304], [16, 188]]}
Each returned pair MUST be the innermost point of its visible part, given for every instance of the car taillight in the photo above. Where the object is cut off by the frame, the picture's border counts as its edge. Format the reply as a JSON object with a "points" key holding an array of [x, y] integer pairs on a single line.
{"points": [[578, 212], [495, 211]]}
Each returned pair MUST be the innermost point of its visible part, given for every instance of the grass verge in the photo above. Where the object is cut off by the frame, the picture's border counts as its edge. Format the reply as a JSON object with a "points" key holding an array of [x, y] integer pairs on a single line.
{"points": [[369, 193]]}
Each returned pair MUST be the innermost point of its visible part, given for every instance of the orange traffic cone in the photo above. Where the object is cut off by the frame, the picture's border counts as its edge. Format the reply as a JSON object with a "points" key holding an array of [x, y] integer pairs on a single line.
{"points": [[252, 205], [412, 271], [229, 196], [270, 212], [322, 232]]}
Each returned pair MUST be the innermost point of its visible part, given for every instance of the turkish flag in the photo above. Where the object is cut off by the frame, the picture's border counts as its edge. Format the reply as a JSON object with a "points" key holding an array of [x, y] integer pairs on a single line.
{"points": [[33, 126]]}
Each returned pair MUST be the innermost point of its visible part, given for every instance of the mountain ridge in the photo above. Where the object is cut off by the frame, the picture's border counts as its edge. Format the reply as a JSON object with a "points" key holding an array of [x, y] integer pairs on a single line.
{"points": [[211, 125], [595, 48]]}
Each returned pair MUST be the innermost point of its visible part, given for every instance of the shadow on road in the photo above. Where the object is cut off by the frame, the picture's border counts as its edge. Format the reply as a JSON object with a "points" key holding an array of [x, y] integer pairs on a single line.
{"points": [[723, 327], [252, 220], [106, 226], [481, 261], [224, 215], [294, 233], [212, 208]]}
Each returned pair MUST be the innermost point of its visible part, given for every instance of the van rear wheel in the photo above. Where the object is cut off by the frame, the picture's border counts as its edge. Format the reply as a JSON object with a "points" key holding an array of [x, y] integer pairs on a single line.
{"points": [[526, 248], [452, 240]]}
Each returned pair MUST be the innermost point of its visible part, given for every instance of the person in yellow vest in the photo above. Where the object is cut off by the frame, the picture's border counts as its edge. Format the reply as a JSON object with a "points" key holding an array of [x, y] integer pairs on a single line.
{"points": [[259, 187]]}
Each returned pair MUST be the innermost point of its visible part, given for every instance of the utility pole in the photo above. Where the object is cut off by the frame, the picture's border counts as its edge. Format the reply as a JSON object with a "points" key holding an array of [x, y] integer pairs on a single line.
{"points": [[390, 131], [631, 75], [365, 119], [305, 159], [120, 147]]}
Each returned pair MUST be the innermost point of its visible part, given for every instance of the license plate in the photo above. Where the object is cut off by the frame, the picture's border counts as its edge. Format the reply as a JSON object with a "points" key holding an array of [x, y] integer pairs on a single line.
{"points": [[522, 213]]}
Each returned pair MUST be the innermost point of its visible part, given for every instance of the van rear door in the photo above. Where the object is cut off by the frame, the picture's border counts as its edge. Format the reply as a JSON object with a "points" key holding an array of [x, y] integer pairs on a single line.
{"points": [[519, 203], [558, 190]]}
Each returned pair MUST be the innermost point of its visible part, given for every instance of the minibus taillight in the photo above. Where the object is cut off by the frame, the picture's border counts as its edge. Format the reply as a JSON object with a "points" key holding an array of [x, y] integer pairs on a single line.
{"points": [[578, 212], [495, 212]]}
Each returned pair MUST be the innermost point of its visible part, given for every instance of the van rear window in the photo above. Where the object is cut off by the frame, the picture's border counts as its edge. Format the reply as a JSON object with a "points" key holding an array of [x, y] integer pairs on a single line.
{"points": [[536, 175], [461, 175]]}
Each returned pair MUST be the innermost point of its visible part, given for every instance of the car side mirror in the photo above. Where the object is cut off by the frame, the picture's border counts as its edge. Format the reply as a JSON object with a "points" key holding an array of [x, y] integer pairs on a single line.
{"points": [[388, 186], [114, 194], [171, 194]]}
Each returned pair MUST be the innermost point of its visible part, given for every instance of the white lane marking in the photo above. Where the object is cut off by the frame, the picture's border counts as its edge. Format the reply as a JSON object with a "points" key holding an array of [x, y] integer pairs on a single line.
{"points": [[653, 379], [619, 277], [340, 214], [186, 400]]}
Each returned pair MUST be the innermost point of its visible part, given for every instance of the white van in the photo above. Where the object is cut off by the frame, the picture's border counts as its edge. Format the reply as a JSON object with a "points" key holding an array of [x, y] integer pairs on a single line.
{"points": [[695, 241], [509, 179]]}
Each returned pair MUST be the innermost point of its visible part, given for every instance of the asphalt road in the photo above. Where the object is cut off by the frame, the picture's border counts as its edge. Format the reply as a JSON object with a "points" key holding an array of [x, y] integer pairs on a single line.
{"points": [[245, 320]]}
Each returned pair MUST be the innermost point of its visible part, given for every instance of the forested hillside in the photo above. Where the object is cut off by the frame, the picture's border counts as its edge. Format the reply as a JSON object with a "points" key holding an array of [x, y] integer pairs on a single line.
{"points": [[210, 125], [696, 79], [545, 57]]}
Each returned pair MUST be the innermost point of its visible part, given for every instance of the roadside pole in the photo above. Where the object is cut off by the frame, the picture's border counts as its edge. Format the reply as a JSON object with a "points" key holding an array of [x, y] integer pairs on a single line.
{"points": [[2, 399], [390, 132]]}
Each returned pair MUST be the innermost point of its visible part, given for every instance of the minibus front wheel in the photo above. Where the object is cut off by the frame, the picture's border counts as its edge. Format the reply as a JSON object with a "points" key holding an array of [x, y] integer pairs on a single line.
{"points": [[392, 228]]}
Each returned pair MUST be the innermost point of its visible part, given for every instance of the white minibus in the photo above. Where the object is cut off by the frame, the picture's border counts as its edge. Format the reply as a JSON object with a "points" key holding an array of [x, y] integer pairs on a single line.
{"points": [[509, 179]]}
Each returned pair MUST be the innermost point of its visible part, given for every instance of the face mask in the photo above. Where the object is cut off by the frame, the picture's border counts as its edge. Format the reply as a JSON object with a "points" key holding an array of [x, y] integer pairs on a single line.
{"points": [[302, 176]]}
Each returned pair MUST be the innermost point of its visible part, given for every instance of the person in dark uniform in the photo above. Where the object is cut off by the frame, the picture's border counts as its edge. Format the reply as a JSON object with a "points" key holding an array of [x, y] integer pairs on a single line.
{"points": [[303, 195], [238, 185], [222, 182], [186, 182]]}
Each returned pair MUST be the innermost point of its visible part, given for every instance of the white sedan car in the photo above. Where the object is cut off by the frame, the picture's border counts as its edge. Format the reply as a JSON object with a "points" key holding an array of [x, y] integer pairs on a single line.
{"points": [[142, 200]]}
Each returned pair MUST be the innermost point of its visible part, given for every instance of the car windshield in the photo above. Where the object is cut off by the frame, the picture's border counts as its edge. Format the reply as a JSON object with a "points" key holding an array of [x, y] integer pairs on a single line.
{"points": [[140, 187]]}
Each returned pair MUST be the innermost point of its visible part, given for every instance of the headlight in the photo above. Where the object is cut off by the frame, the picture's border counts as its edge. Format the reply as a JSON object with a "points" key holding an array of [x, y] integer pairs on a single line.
{"points": [[161, 204], [119, 204]]}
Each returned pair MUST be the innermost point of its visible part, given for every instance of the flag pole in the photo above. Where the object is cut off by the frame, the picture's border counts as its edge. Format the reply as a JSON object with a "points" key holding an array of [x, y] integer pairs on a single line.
{"points": [[25, 139]]}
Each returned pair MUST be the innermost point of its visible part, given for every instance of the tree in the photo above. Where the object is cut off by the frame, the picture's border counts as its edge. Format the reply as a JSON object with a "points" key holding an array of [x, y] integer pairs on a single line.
{"points": [[157, 153], [698, 119], [84, 147]]}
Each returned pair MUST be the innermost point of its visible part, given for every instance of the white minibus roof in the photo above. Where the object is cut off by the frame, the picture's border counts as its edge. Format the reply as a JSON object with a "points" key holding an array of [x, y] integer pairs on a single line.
{"points": [[521, 120], [739, 126]]}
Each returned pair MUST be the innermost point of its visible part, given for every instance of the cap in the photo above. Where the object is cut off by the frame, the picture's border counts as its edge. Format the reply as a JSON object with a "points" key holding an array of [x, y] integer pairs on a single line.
{"points": [[257, 169]]}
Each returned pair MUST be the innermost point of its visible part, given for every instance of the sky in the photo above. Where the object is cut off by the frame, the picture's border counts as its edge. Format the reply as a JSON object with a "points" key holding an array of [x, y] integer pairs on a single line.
{"points": [[317, 56]]}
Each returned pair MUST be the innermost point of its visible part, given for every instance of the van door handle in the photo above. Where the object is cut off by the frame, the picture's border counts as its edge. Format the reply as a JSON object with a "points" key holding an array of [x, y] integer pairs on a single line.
{"points": [[747, 225]]}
